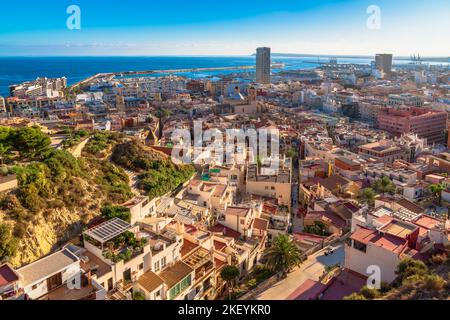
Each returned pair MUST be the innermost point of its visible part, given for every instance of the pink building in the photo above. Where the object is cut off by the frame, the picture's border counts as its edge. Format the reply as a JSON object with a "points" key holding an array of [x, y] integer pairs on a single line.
{"points": [[426, 123]]}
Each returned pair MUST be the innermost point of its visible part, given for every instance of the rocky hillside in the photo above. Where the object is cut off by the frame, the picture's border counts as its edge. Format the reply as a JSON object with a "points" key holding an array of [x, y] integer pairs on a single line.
{"points": [[56, 197]]}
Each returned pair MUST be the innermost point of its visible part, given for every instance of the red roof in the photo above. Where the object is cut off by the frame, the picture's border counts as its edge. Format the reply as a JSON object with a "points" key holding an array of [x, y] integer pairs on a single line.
{"points": [[227, 232], [219, 245], [386, 241], [301, 236], [427, 222], [260, 224], [219, 263], [308, 290], [187, 247], [344, 284], [7, 275], [326, 217]]}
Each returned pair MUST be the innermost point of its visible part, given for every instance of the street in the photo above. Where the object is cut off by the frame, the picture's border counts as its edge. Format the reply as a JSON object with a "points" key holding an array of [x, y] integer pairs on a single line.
{"points": [[312, 269]]}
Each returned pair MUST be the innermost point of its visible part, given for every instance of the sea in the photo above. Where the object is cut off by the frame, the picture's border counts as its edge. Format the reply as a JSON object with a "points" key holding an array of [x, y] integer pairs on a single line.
{"points": [[14, 70]]}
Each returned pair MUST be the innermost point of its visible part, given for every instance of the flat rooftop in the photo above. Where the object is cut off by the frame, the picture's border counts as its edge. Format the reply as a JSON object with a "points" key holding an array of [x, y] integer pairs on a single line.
{"points": [[398, 228], [47, 266]]}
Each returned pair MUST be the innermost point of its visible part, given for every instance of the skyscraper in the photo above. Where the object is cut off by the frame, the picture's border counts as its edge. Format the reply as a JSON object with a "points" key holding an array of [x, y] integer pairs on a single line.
{"points": [[383, 62], [263, 65]]}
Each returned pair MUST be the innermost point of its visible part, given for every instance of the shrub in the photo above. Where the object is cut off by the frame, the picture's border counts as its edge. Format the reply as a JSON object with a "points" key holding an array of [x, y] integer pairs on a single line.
{"points": [[369, 293], [385, 287], [110, 212], [409, 267], [252, 283], [355, 296], [434, 282], [8, 243], [438, 258], [138, 296]]}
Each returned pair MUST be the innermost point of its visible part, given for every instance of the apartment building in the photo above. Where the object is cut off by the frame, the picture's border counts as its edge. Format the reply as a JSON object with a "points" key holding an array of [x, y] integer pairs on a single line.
{"points": [[427, 123], [386, 236], [384, 151], [276, 186]]}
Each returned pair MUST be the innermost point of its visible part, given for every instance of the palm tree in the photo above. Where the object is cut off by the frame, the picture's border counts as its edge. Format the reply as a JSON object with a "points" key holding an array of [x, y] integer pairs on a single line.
{"points": [[436, 190], [384, 185], [229, 274], [283, 255], [367, 195]]}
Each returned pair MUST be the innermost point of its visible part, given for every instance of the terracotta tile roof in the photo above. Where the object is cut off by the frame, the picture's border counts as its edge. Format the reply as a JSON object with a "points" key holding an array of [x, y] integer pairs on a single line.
{"points": [[175, 274], [219, 245], [301, 236], [388, 242], [410, 206], [219, 263], [187, 247], [427, 222], [228, 232], [260, 224], [384, 219], [150, 281], [331, 182], [327, 217]]}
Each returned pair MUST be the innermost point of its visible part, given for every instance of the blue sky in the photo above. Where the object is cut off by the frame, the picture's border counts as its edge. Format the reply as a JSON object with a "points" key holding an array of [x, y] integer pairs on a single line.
{"points": [[230, 27]]}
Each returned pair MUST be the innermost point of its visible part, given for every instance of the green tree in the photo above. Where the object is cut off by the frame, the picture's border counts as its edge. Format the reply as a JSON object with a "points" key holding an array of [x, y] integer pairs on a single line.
{"points": [[4, 149], [318, 227], [110, 212], [230, 274], [384, 185], [367, 195], [31, 141], [436, 190], [291, 153], [283, 255], [8, 243]]}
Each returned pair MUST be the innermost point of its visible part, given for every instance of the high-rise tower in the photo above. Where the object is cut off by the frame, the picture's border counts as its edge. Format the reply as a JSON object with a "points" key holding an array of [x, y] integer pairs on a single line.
{"points": [[383, 62], [263, 65]]}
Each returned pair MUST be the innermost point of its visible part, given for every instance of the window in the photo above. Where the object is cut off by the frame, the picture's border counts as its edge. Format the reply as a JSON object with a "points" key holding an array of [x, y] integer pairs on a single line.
{"points": [[179, 287], [34, 287], [272, 188], [157, 294], [359, 246], [266, 187], [141, 266], [163, 262], [156, 266]]}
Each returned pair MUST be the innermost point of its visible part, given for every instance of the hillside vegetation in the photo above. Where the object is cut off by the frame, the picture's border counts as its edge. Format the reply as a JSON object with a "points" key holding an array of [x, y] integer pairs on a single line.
{"points": [[157, 173], [57, 194], [415, 281]]}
